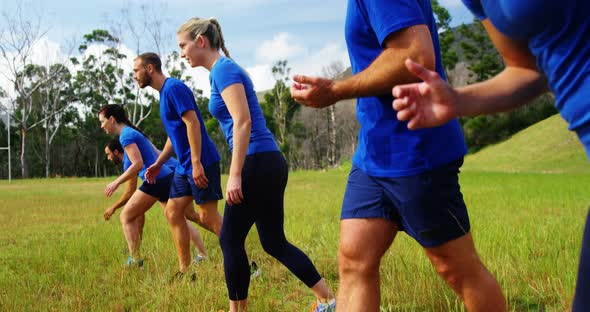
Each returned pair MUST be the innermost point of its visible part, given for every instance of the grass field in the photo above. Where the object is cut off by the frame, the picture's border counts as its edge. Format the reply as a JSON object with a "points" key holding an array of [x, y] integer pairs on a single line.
{"points": [[57, 253], [546, 146]]}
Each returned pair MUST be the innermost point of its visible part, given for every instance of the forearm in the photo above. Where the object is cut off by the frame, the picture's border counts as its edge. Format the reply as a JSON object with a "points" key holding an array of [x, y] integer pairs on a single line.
{"points": [[121, 201], [166, 153], [377, 79], [130, 173], [388, 69], [193, 130], [513, 87], [241, 141], [131, 186]]}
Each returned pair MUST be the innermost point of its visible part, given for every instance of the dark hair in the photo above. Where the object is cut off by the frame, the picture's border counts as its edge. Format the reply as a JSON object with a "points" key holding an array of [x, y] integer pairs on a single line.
{"points": [[151, 58], [115, 145], [119, 114]]}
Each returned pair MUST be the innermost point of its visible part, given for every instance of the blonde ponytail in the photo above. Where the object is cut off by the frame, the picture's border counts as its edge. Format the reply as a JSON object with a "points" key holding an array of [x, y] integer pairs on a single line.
{"points": [[205, 27]]}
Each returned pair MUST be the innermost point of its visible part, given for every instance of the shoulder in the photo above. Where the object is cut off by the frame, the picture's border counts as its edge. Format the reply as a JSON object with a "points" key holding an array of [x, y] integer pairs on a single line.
{"points": [[476, 8], [225, 66], [126, 138], [129, 131], [173, 84]]}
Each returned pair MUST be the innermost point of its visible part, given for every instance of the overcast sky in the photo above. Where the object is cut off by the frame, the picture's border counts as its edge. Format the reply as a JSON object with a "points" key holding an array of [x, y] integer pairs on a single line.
{"points": [[309, 34]]}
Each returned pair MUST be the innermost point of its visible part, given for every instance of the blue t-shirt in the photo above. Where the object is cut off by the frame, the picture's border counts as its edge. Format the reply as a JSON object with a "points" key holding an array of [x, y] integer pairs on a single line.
{"points": [[226, 72], [558, 35], [146, 149], [175, 99], [386, 148], [172, 163]]}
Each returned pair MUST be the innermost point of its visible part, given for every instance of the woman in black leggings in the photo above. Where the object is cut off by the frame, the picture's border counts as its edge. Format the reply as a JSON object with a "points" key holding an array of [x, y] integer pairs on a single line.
{"points": [[258, 171]]}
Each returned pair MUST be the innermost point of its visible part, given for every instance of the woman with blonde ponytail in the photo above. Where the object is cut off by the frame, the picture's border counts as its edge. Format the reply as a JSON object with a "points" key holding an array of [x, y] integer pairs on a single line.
{"points": [[258, 171]]}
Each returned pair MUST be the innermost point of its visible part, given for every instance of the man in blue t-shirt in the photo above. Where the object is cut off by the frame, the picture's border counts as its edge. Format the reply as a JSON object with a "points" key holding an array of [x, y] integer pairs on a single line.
{"points": [[543, 44], [401, 180], [197, 175]]}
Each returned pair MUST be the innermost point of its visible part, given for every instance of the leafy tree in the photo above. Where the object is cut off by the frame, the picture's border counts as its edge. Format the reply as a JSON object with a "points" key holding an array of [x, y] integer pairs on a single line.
{"points": [[56, 97], [18, 37], [99, 80], [279, 109], [484, 62], [479, 51], [446, 36]]}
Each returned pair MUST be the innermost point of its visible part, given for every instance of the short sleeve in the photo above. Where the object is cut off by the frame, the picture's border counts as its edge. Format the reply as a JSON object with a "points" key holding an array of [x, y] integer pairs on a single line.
{"points": [[387, 17], [127, 137], [476, 8], [227, 74], [180, 98]]}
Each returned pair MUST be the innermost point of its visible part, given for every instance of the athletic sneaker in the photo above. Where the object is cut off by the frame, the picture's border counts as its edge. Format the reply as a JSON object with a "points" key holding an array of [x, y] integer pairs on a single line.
{"points": [[134, 263], [324, 306], [254, 270], [198, 258], [179, 276]]}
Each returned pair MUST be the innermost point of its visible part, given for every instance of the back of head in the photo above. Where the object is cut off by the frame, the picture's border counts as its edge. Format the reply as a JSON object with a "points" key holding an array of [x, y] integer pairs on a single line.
{"points": [[207, 27], [114, 110], [115, 145], [118, 112], [151, 58]]}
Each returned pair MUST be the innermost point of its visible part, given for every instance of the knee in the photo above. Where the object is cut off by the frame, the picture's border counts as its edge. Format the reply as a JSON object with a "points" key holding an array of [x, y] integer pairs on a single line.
{"points": [[449, 273], [174, 215], [353, 260], [230, 244], [125, 218], [456, 271], [207, 216], [275, 248], [224, 240], [204, 217]]}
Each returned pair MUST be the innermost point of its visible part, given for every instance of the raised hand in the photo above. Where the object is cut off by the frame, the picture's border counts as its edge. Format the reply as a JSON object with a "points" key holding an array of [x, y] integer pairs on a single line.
{"points": [[425, 104], [313, 91]]}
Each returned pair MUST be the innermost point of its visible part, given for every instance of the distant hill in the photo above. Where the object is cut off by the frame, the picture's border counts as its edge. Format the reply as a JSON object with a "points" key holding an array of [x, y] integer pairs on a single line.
{"points": [[546, 146]]}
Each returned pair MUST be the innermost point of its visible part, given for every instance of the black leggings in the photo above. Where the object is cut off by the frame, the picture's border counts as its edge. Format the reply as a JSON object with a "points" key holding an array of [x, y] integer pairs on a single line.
{"points": [[582, 297], [264, 178]]}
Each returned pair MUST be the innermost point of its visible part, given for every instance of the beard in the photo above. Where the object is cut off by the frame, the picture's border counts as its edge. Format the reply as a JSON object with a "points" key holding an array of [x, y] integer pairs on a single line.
{"points": [[146, 81], [116, 161]]}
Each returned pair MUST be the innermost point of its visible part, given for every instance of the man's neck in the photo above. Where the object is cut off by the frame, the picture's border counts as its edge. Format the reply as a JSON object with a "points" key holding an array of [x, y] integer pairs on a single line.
{"points": [[158, 82]]}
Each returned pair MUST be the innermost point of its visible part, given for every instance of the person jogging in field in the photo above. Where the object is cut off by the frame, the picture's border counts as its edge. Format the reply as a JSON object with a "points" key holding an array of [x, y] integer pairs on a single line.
{"points": [[401, 180], [258, 171], [545, 45], [197, 177], [135, 201]]}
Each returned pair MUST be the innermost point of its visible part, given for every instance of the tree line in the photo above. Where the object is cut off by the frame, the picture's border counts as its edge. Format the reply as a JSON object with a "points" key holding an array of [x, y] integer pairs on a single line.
{"points": [[54, 128]]}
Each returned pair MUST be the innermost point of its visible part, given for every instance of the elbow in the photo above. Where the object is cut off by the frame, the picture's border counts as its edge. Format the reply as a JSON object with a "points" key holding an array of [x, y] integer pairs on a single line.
{"points": [[244, 125], [425, 57], [192, 123], [137, 166]]}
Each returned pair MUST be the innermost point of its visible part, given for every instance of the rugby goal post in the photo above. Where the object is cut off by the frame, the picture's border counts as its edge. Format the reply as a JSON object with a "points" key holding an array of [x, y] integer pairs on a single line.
{"points": [[7, 147]]}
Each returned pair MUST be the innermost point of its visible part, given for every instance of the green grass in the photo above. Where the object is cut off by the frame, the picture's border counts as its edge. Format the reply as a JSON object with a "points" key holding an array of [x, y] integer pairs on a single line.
{"points": [[57, 253], [546, 146]]}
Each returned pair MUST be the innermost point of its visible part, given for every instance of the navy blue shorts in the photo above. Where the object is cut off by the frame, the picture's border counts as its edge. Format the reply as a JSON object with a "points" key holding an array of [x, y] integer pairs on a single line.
{"points": [[160, 189], [184, 185], [429, 206]]}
